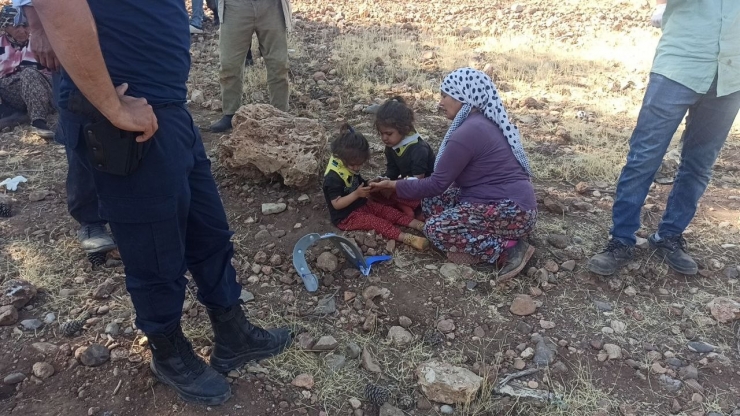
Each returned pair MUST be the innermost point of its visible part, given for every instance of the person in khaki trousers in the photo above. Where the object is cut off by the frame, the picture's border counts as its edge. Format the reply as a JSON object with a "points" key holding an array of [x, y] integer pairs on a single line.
{"points": [[271, 20]]}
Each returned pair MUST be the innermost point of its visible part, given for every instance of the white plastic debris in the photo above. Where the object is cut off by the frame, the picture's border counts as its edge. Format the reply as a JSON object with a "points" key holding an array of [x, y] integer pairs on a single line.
{"points": [[11, 184]]}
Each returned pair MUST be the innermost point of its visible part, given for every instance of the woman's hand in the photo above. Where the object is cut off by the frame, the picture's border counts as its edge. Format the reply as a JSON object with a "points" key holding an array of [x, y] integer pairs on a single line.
{"points": [[384, 184]]}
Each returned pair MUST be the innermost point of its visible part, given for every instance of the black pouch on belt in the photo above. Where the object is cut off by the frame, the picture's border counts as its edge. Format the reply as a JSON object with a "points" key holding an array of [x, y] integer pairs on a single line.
{"points": [[110, 149]]}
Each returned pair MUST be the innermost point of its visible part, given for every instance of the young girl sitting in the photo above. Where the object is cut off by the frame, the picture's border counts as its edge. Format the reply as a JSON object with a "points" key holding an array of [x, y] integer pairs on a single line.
{"points": [[407, 155], [347, 193]]}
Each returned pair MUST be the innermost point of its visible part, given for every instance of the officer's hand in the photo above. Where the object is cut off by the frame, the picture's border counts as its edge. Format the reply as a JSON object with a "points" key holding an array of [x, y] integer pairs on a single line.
{"points": [[657, 19], [135, 115], [43, 51]]}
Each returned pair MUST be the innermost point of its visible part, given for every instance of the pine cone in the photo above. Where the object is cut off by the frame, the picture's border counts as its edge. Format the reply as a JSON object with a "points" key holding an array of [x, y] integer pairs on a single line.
{"points": [[405, 402], [377, 395], [5, 210], [433, 338], [70, 328], [97, 259]]}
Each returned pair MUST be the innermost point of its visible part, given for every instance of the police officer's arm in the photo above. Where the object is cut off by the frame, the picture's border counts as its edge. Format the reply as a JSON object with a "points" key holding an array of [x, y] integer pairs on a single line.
{"points": [[70, 27]]}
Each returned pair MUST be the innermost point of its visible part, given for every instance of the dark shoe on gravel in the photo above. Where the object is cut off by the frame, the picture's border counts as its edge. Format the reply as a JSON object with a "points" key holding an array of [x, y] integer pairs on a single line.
{"points": [[175, 364], [236, 341], [516, 258], [616, 255], [94, 238], [673, 251], [222, 125]]}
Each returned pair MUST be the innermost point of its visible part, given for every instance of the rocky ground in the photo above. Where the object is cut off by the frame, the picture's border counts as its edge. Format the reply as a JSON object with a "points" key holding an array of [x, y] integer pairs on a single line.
{"points": [[418, 336]]}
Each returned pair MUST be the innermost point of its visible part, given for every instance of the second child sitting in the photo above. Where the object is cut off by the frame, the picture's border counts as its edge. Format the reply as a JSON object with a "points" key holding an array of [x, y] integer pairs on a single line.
{"points": [[347, 194], [407, 155]]}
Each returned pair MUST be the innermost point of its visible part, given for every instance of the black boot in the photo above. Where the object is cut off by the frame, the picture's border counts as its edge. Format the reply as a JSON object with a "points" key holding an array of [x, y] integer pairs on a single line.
{"points": [[174, 363], [236, 341], [222, 125]]}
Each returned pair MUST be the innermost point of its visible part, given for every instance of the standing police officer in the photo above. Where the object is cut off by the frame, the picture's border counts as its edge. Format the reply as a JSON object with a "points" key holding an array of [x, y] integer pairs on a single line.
{"points": [[130, 60]]}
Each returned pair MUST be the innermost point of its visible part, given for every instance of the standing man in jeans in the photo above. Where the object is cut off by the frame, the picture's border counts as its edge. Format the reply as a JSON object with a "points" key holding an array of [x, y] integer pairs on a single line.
{"points": [[167, 216], [696, 70], [271, 20], [82, 201]]}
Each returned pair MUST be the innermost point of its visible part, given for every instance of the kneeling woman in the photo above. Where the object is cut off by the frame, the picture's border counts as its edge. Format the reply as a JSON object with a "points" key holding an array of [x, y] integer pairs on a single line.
{"points": [[479, 202]]}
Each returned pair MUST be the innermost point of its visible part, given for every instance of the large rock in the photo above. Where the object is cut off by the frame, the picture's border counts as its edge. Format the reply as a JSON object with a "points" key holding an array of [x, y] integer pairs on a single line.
{"points": [[17, 293], [268, 142], [399, 336], [93, 356], [445, 383], [8, 315], [724, 310]]}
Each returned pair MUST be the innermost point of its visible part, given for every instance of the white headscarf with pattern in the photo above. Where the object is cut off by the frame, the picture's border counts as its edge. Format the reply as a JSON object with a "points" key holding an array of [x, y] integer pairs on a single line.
{"points": [[475, 89]]}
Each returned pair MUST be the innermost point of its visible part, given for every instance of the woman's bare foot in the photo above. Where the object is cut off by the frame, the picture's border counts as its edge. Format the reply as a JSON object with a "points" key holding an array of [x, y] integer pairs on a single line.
{"points": [[419, 243], [417, 225], [462, 258], [517, 258]]}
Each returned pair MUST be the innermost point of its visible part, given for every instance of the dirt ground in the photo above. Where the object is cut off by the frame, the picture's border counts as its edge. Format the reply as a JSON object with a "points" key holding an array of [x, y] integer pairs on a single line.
{"points": [[572, 74]]}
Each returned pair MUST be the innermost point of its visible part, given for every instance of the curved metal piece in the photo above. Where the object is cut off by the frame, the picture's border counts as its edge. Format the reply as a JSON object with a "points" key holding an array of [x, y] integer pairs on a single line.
{"points": [[346, 246]]}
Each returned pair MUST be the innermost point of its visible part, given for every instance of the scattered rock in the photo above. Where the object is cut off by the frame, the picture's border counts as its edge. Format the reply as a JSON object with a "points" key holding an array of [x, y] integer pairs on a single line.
{"points": [[66, 293], [554, 206], [104, 290], [31, 324], [544, 353], [369, 363], [17, 293], [642, 243], [400, 337], [603, 306], [444, 383], [319, 76], [305, 341], [688, 373], [93, 355], [558, 240], [551, 266], [45, 348], [326, 306], [519, 364], [527, 353], [630, 291], [568, 265], [355, 403], [271, 208], [446, 409], [353, 350], [267, 142], [326, 343], [14, 378], [197, 97], [50, 318], [8, 315], [43, 370], [389, 410], [446, 326], [724, 309], [522, 305], [670, 383], [701, 347], [618, 326], [456, 272], [327, 262], [335, 362], [404, 321], [694, 385], [372, 292], [303, 381], [113, 329], [657, 368], [36, 196], [614, 352], [547, 324]]}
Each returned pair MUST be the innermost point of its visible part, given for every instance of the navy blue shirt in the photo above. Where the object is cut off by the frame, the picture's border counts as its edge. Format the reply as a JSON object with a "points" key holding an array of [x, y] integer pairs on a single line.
{"points": [[146, 44]]}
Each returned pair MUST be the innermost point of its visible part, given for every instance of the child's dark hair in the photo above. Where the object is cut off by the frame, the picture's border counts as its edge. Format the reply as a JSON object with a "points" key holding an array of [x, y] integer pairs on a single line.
{"points": [[351, 147], [395, 114]]}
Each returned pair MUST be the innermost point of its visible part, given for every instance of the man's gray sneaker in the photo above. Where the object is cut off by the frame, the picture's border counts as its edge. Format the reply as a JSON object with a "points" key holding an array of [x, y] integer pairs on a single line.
{"points": [[94, 238], [673, 251], [616, 255]]}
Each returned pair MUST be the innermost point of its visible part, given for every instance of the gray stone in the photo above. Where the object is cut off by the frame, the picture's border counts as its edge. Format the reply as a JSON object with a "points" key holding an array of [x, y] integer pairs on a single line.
{"points": [[558, 240], [446, 326], [113, 329], [43, 370], [14, 378], [353, 350], [603, 306], [731, 272], [17, 293], [327, 262], [670, 383], [45, 348], [614, 352], [305, 341], [246, 296], [400, 337], [326, 343], [326, 306], [31, 324], [50, 318], [94, 355], [273, 208], [688, 373], [701, 347], [404, 321], [335, 362], [568, 265], [444, 383], [522, 305], [8, 315], [523, 327], [369, 363], [389, 410], [544, 353], [446, 409]]}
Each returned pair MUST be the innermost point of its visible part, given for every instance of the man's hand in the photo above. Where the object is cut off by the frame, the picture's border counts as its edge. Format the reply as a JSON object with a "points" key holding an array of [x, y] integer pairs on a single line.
{"points": [[364, 191], [135, 115], [657, 19], [386, 184], [43, 51]]}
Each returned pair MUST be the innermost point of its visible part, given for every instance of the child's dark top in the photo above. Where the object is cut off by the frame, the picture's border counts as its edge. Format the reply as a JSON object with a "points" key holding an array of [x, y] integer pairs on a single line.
{"points": [[335, 187], [413, 159]]}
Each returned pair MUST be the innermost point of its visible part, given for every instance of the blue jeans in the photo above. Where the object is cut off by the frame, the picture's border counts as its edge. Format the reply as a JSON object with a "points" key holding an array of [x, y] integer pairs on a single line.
{"points": [[167, 218], [708, 124], [82, 201], [198, 15]]}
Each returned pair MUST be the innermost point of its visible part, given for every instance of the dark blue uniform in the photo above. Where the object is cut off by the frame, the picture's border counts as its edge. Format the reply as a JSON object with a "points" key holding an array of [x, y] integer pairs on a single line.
{"points": [[167, 216]]}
